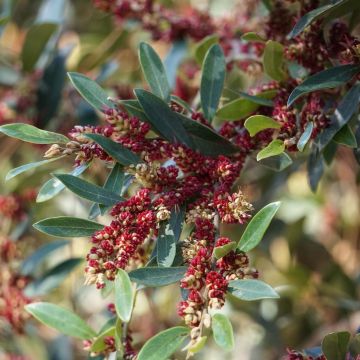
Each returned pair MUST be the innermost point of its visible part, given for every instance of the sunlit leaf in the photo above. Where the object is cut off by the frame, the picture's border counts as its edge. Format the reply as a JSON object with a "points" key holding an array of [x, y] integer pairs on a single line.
{"points": [[222, 331], [251, 289]]}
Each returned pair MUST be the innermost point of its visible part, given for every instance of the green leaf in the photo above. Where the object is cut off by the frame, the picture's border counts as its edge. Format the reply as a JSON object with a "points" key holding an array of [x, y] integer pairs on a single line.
{"points": [[257, 123], [133, 107], [203, 46], [221, 251], [261, 99], [315, 168], [326, 79], [277, 163], [252, 36], [257, 227], [117, 151], [60, 319], [250, 289], [273, 60], [166, 246], [66, 226], [31, 134], [157, 276], [52, 278], [305, 136], [34, 44], [276, 147], [164, 344], [345, 136], [342, 115], [212, 80], [162, 118], [154, 71], [54, 186], [354, 346], [222, 331], [334, 345], [91, 91], [30, 265], [198, 346], [124, 296], [174, 57], [243, 107], [89, 191], [99, 345]]}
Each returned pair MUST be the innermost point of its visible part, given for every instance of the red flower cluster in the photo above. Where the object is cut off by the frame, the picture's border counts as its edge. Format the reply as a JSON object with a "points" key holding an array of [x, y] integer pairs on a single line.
{"points": [[295, 355]]}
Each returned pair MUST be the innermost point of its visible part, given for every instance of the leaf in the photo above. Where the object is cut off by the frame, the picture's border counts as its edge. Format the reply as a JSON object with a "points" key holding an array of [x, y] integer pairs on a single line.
{"points": [[315, 168], [34, 44], [260, 99], [346, 137], [253, 37], [198, 346], [334, 345], [54, 186], [173, 60], [154, 71], [243, 107], [21, 169], [273, 60], [221, 251], [354, 346], [124, 295], [117, 151], [305, 136], [91, 91], [164, 344], [203, 46], [37, 258], [89, 191], [52, 278], [250, 289], [212, 81], [60, 319], [31, 134], [257, 123], [222, 331], [326, 79], [66, 226], [276, 147], [342, 115], [157, 276], [257, 227], [162, 118], [277, 163], [99, 345]]}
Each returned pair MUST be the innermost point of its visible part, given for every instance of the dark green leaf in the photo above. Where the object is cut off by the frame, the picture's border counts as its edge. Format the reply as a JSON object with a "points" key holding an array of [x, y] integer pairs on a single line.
{"points": [[354, 346], [31, 134], [326, 79], [89, 191], [212, 80], [250, 289], [334, 345], [66, 226], [203, 46], [253, 37], [34, 44], [346, 137], [60, 319], [257, 227], [124, 296], [277, 163], [260, 99], [276, 147], [315, 168], [164, 344], [117, 151], [91, 91], [157, 276], [257, 123], [305, 136], [166, 246], [154, 71], [222, 331], [133, 107], [221, 251], [273, 60]]}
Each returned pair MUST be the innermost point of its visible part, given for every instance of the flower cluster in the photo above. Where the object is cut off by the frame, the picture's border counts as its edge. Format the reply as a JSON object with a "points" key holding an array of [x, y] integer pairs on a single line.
{"points": [[295, 355]]}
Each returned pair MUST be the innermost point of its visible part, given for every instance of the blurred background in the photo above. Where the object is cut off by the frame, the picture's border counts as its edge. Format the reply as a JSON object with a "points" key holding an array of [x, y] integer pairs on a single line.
{"points": [[310, 253]]}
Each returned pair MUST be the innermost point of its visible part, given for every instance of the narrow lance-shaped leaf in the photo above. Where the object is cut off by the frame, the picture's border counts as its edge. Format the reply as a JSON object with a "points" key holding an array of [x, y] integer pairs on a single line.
{"points": [[252, 36], [276, 147], [305, 136], [173, 60], [250, 290], [257, 123], [91, 91], [89, 191], [164, 344], [32, 134], [273, 60], [346, 137], [326, 79], [154, 71], [278, 162], [203, 46], [257, 227], [117, 151], [65, 226], [157, 276], [263, 98], [222, 331], [60, 319], [212, 81], [315, 168], [124, 295]]}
